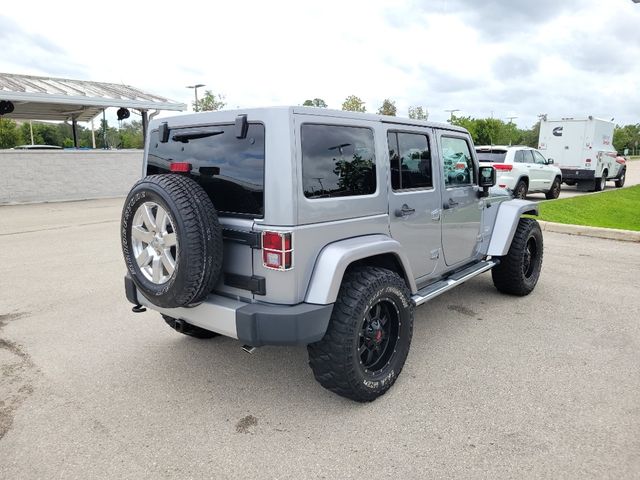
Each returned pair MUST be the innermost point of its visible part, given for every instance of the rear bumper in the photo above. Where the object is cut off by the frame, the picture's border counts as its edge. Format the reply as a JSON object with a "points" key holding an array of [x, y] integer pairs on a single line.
{"points": [[253, 324], [577, 174]]}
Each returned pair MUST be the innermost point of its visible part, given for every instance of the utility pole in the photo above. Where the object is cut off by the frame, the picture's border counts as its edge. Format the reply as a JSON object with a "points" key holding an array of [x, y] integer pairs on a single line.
{"points": [[511, 119], [195, 92], [451, 112]]}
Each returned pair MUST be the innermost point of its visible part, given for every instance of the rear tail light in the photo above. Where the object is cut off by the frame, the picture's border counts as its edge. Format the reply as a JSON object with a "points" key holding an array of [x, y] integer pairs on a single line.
{"points": [[588, 160], [277, 250], [180, 167], [461, 166], [503, 167]]}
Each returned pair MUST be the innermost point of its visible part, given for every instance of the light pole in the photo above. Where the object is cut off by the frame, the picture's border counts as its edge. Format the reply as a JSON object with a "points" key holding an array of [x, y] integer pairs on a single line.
{"points": [[195, 92], [511, 119], [451, 112]]}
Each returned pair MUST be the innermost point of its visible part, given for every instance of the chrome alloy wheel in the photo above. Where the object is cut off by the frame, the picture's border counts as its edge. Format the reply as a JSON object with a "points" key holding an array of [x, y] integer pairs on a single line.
{"points": [[155, 246]]}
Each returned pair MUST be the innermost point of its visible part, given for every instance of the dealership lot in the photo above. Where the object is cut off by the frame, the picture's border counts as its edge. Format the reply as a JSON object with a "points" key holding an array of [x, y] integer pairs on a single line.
{"points": [[494, 386]]}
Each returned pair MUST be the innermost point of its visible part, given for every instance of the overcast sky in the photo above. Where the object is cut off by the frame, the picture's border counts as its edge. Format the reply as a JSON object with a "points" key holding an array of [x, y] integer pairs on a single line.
{"points": [[493, 57]]}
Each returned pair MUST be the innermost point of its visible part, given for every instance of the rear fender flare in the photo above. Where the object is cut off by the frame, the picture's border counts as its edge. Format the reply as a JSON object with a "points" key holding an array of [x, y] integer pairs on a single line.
{"points": [[506, 223], [334, 259]]}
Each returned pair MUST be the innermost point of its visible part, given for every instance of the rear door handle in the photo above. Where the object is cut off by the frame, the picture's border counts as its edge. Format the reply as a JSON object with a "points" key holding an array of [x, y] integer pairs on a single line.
{"points": [[404, 211]]}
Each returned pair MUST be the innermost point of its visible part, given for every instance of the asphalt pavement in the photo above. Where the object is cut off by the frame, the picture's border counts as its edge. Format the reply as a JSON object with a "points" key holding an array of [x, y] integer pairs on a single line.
{"points": [[545, 386]]}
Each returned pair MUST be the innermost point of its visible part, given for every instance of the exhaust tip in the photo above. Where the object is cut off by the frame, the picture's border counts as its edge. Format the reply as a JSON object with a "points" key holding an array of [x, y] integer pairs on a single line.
{"points": [[248, 348]]}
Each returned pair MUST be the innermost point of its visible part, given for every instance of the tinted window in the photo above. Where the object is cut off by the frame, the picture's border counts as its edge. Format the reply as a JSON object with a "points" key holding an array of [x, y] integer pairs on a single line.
{"points": [[519, 156], [538, 156], [526, 156], [337, 161], [457, 162], [410, 159], [496, 156], [231, 170]]}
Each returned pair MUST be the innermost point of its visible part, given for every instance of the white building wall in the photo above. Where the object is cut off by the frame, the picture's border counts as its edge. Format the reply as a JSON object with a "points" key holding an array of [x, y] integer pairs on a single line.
{"points": [[52, 176]]}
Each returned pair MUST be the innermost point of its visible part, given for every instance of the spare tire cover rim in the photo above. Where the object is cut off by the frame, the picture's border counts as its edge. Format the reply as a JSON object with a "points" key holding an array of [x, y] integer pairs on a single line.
{"points": [[154, 241]]}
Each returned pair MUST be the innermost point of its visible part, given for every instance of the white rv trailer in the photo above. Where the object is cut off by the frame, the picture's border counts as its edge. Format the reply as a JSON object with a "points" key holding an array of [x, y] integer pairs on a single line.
{"points": [[583, 150]]}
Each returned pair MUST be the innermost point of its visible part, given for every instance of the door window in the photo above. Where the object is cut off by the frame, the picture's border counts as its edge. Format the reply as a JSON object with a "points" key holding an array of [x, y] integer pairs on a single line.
{"points": [[410, 159], [539, 158], [457, 162]]}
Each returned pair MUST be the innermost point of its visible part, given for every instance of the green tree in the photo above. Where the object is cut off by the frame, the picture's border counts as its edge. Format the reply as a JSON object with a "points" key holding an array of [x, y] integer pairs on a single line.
{"points": [[10, 135], [209, 102], [531, 136], [418, 113], [316, 102], [131, 135], [388, 107], [353, 104], [627, 136]]}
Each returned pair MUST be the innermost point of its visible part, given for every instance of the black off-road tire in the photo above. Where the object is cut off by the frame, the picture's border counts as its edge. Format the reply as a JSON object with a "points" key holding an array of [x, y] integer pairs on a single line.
{"points": [[621, 178], [519, 270], [336, 361], [521, 190], [554, 191], [188, 329], [198, 233], [601, 182]]}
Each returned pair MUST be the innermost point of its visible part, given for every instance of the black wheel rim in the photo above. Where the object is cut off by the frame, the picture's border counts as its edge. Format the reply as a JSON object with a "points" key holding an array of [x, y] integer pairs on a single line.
{"points": [[521, 192], [556, 190], [379, 335], [530, 258]]}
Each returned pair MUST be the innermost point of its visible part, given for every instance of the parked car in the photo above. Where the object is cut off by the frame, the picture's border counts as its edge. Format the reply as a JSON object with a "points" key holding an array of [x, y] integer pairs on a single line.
{"points": [[307, 226], [522, 170], [37, 147]]}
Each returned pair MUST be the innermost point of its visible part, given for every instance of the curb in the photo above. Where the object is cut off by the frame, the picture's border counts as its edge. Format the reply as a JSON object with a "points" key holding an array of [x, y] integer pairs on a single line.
{"points": [[597, 232]]}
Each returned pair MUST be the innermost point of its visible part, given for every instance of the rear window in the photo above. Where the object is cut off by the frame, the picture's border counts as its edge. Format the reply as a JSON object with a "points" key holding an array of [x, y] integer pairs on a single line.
{"points": [[337, 161], [495, 156], [230, 169]]}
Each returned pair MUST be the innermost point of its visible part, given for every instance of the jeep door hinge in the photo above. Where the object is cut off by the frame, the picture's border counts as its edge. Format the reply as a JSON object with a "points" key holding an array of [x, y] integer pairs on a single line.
{"points": [[435, 214], [435, 254]]}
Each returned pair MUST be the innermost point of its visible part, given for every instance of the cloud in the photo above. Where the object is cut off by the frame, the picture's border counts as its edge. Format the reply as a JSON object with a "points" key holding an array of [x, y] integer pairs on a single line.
{"points": [[34, 53], [513, 65]]}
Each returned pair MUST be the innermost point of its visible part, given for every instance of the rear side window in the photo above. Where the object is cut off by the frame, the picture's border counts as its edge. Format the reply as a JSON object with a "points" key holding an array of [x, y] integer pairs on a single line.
{"points": [[410, 159], [495, 156], [337, 161], [230, 169]]}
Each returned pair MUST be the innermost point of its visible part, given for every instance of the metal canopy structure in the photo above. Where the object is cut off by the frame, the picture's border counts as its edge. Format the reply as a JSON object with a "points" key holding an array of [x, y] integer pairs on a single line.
{"points": [[61, 99]]}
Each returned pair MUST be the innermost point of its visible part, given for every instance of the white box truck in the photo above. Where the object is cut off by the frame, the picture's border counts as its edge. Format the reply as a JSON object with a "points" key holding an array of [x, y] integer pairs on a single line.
{"points": [[583, 150]]}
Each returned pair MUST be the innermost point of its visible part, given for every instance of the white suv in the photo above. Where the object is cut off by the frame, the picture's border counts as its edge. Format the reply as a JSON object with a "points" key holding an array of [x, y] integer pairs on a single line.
{"points": [[522, 170]]}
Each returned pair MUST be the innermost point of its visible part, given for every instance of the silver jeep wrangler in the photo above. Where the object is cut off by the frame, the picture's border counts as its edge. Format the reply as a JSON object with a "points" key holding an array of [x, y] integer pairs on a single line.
{"points": [[293, 225]]}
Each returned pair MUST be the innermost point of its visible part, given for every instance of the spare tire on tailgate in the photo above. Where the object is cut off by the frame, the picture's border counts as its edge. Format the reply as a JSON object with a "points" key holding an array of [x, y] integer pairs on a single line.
{"points": [[171, 240]]}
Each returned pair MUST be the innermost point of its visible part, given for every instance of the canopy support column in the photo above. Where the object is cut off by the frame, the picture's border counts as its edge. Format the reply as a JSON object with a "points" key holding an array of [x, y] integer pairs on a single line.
{"points": [[74, 128], [145, 126]]}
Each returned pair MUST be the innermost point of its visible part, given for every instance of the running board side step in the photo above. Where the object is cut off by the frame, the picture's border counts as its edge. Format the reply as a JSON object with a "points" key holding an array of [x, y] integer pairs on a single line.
{"points": [[435, 289]]}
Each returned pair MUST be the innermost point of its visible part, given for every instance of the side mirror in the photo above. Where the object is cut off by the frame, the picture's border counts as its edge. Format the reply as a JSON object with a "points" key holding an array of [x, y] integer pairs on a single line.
{"points": [[549, 161], [487, 179]]}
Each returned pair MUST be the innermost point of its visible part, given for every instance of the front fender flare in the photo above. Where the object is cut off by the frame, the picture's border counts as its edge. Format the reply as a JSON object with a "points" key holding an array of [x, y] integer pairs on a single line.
{"points": [[506, 223], [334, 259]]}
